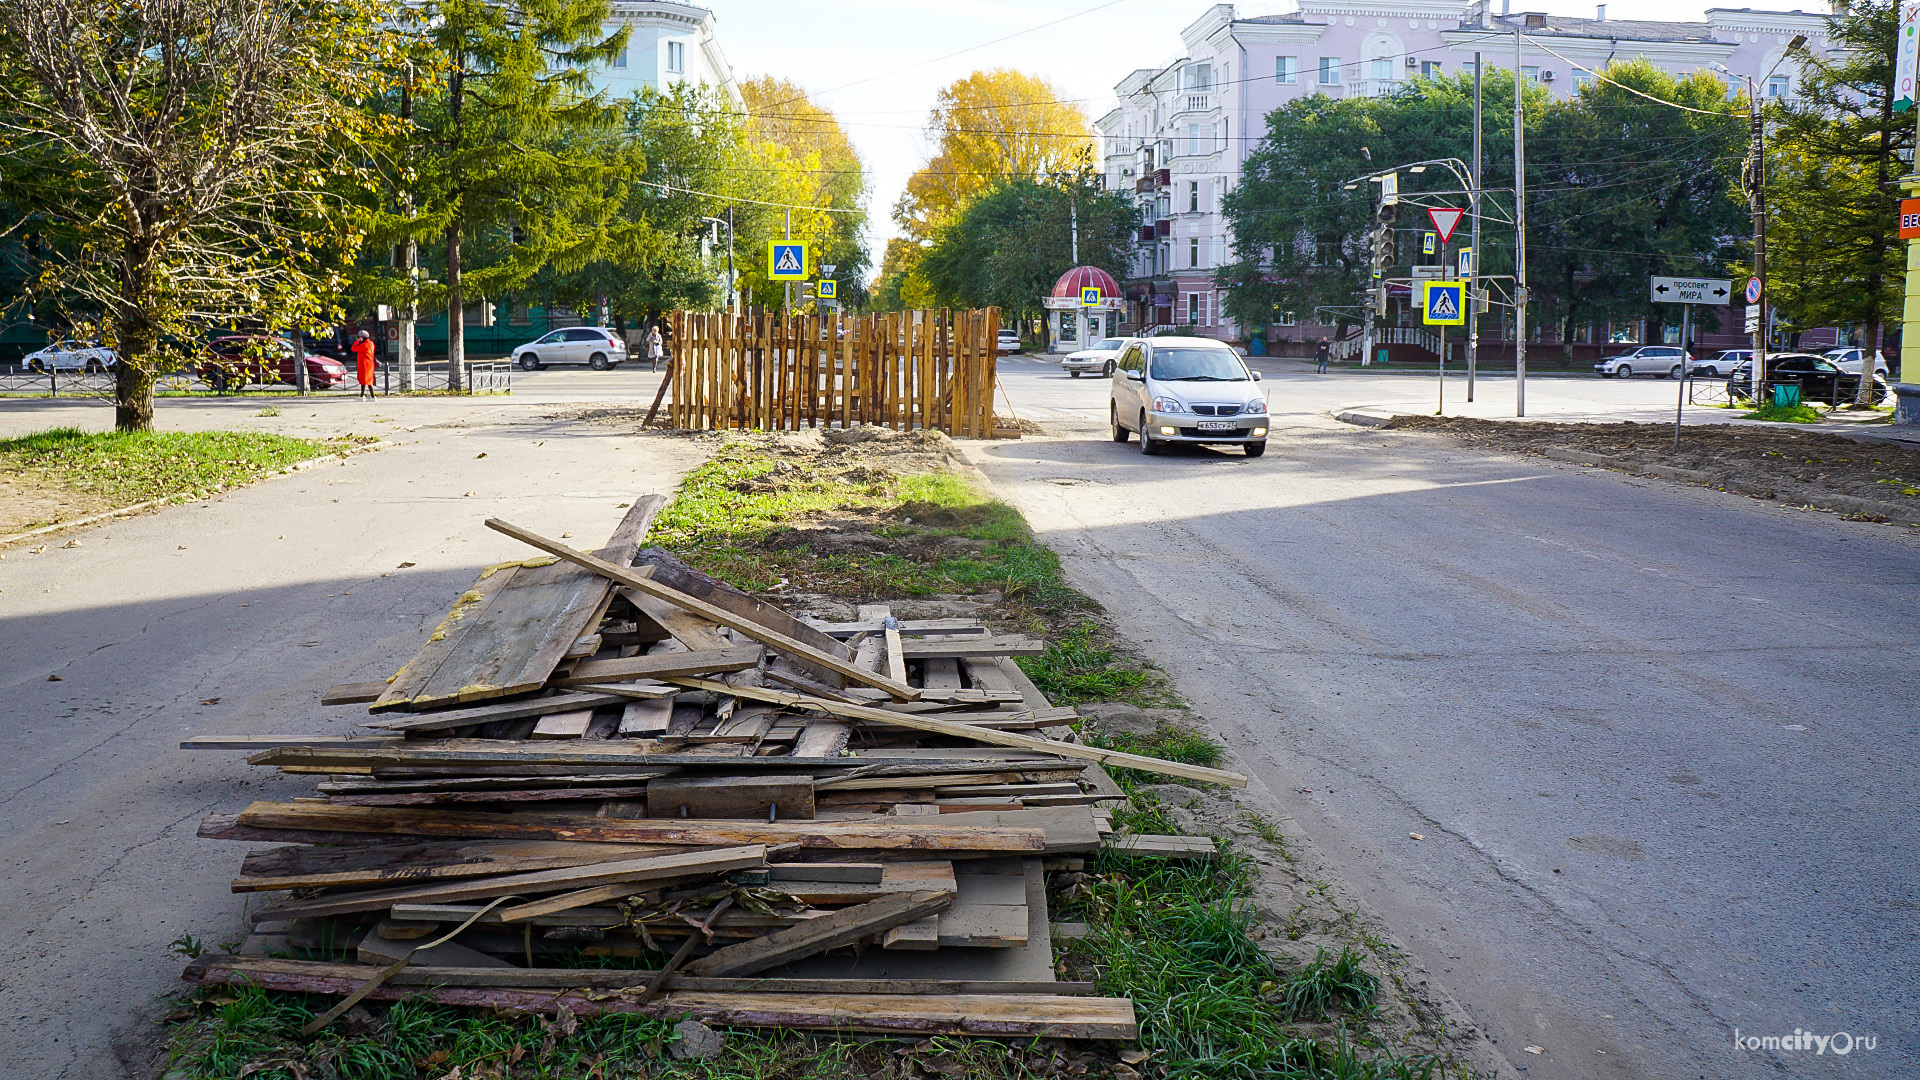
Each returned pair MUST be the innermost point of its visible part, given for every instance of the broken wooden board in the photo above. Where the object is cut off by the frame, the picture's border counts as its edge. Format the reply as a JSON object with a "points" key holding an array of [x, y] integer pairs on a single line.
{"points": [[661, 665], [749, 626], [448, 719], [388, 862], [571, 724], [511, 639], [671, 572], [646, 717], [843, 927], [686, 628], [1014, 1015], [921, 648], [790, 797], [834, 835], [354, 693], [374, 949], [1164, 847]]}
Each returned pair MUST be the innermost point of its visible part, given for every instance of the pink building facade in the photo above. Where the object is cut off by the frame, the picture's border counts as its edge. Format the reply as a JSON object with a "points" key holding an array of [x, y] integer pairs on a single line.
{"points": [[1180, 133]]}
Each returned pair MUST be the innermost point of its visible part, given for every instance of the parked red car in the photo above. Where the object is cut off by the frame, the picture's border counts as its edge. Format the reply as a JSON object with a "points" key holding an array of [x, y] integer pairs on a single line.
{"points": [[233, 362]]}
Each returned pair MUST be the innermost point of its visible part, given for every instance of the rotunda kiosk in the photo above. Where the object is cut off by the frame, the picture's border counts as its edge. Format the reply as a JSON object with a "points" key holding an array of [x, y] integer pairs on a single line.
{"points": [[1085, 306]]}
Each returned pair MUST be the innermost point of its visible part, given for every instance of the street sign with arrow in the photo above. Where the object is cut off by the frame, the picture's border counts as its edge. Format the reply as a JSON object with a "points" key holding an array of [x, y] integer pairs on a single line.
{"points": [[1684, 290], [1445, 220]]}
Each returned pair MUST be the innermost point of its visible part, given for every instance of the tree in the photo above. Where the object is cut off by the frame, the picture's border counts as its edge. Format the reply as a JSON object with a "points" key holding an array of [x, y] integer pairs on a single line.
{"points": [[1832, 257], [181, 161], [798, 155], [1008, 246], [513, 148]]}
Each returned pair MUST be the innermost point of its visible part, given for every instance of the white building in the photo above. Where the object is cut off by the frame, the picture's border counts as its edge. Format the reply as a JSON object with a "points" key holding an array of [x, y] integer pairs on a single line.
{"points": [[670, 43], [1180, 133]]}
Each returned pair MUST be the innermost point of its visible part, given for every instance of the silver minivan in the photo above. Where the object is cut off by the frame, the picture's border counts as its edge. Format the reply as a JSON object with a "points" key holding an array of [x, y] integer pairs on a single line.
{"points": [[1186, 390], [598, 347]]}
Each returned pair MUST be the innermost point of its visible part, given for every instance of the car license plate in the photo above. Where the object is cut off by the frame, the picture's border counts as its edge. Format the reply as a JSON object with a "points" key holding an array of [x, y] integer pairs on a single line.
{"points": [[1216, 425]]}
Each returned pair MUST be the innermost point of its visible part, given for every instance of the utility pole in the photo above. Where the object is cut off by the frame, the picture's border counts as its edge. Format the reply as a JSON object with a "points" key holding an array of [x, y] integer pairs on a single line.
{"points": [[1519, 234], [1473, 267], [408, 312], [1073, 215], [733, 293], [1757, 193]]}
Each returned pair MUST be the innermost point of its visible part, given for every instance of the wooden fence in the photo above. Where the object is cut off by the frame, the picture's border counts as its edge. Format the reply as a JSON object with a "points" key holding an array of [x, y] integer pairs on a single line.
{"points": [[901, 369]]}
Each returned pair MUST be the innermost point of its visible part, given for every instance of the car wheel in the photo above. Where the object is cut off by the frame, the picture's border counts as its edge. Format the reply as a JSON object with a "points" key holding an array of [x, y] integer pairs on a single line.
{"points": [[1113, 417], [1625, 371], [1149, 445], [1073, 374], [529, 362], [598, 361], [1255, 449], [1674, 372], [1108, 370]]}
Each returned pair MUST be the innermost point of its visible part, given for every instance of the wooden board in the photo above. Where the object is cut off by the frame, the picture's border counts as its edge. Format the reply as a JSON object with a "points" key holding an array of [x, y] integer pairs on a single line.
{"points": [[688, 629], [731, 797], [822, 739], [1016, 1015], [511, 641], [671, 572], [660, 665], [920, 648], [750, 627], [571, 724], [448, 719], [646, 717], [387, 862], [354, 693], [843, 927], [1165, 847], [845, 836]]}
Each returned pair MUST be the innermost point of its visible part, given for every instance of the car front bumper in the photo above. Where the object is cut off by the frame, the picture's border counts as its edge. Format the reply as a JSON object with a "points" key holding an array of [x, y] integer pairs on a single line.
{"points": [[1184, 427], [1083, 365]]}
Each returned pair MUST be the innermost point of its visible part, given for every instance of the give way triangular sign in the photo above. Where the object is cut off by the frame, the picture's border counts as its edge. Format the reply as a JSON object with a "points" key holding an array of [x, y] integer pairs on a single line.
{"points": [[1445, 221]]}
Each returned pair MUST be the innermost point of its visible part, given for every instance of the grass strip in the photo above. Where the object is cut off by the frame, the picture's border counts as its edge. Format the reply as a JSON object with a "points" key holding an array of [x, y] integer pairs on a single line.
{"points": [[115, 469]]}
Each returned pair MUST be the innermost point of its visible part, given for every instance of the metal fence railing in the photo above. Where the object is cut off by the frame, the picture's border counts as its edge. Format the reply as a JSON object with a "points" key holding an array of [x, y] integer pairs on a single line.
{"points": [[483, 377]]}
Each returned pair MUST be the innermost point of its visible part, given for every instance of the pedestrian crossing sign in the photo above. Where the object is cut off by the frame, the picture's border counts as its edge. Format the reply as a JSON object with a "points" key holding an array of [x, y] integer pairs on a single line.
{"points": [[1089, 296], [829, 289], [786, 261], [1443, 303]]}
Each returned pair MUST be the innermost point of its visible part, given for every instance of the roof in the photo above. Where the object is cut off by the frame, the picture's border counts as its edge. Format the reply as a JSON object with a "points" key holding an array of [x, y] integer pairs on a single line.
{"points": [[1081, 277], [1624, 29]]}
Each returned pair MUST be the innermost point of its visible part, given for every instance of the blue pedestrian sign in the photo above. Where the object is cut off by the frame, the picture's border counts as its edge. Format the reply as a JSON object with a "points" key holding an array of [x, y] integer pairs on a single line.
{"points": [[1089, 296], [829, 289], [786, 261], [1443, 303]]}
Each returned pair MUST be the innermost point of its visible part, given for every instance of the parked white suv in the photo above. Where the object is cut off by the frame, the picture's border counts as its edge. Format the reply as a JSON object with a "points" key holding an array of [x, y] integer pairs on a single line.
{"points": [[598, 347], [1186, 390], [1848, 360], [1667, 361]]}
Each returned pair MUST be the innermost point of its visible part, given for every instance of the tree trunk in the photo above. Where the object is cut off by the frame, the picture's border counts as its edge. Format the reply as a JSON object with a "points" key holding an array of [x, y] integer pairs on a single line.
{"points": [[136, 340], [456, 309], [1877, 267]]}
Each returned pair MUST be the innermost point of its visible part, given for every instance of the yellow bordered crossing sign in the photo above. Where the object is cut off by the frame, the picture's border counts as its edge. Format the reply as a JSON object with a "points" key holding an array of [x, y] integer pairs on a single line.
{"points": [[786, 261], [828, 289], [1443, 303], [1089, 296]]}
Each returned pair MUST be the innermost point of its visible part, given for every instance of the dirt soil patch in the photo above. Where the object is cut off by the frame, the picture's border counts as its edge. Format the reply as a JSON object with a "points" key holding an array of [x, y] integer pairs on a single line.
{"points": [[1758, 457]]}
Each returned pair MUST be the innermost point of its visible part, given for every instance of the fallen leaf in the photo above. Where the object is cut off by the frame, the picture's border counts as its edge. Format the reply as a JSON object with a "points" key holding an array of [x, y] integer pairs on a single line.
{"points": [[182, 547], [211, 701], [1416, 836], [565, 536], [403, 566], [71, 544], [623, 506], [479, 455], [1135, 1057], [43, 547], [468, 495], [1534, 1049], [55, 678]]}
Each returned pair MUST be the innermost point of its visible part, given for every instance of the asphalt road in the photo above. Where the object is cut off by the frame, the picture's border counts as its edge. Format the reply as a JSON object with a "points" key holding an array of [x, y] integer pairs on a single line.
{"points": [[230, 617], [1659, 740]]}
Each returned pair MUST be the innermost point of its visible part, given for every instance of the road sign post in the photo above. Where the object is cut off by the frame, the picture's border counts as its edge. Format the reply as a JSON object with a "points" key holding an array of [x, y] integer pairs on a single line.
{"points": [[1443, 304], [786, 261], [1687, 292]]}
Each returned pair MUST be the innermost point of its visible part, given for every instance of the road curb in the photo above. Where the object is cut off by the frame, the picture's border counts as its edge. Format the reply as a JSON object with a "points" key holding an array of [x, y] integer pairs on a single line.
{"points": [[1903, 513], [1364, 419]]}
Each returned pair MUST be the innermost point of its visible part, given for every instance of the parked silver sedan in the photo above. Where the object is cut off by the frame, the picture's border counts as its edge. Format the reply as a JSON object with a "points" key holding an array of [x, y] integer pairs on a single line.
{"points": [[1186, 390], [1099, 356]]}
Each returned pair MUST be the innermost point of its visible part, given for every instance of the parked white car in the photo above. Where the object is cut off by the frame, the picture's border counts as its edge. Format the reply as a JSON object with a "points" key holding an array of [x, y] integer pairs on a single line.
{"points": [[1186, 390], [1848, 360], [1720, 364], [1666, 361], [1100, 356], [71, 355], [598, 347], [1009, 342]]}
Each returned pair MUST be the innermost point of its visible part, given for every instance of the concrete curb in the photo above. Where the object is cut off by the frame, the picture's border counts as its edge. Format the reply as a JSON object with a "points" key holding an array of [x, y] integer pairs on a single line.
{"points": [[90, 519], [1363, 419], [1904, 513]]}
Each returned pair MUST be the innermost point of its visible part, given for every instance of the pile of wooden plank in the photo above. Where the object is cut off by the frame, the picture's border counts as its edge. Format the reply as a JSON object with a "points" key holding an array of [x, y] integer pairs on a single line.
{"points": [[609, 782]]}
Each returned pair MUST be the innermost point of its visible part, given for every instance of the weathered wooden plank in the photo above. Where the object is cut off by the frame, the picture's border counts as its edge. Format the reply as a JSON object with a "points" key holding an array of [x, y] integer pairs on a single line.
{"points": [[386, 861], [822, 739], [269, 742], [978, 734], [729, 619], [646, 717], [571, 724], [834, 835], [674, 574], [448, 719], [660, 665], [815, 936], [908, 627], [469, 798], [1165, 847], [688, 629], [354, 693], [789, 797], [919, 648]]}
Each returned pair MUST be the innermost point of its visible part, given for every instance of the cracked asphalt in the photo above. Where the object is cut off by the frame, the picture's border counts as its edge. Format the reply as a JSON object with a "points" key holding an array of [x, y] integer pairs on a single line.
{"points": [[1658, 739], [230, 616]]}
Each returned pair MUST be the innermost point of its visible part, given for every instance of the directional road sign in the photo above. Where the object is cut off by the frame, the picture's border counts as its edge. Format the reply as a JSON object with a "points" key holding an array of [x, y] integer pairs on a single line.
{"points": [[1090, 296], [1753, 320], [1429, 273], [1443, 303], [1753, 290], [1445, 220], [1691, 290], [786, 261], [829, 289], [1909, 218]]}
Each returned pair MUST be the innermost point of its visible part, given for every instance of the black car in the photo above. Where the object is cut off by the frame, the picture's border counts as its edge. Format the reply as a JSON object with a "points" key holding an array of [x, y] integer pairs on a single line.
{"points": [[1816, 376]]}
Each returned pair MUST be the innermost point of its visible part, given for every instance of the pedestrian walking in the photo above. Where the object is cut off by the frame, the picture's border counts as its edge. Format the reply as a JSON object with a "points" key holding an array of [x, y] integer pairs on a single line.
{"points": [[363, 362], [654, 347], [1320, 355]]}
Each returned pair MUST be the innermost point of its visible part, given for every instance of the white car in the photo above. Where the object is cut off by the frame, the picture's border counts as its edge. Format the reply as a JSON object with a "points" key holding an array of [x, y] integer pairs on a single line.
{"points": [[1665, 361], [1719, 365], [598, 347], [71, 355], [1009, 342], [1169, 390], [1848, 360], [1100, 357]]}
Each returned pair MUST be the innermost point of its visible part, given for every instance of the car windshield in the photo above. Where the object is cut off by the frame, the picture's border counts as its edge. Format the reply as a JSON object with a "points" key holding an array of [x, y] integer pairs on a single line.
{"points": [[1198, 365], [1111, 344]]}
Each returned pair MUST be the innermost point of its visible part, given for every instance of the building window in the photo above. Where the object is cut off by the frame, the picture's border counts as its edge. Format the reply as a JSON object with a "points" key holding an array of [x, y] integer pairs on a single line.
{"points": [[1582, 79], [1382, 68], [1193, 252], [1531, 74], [1430, 68], [1193, 196], [1193, 138], [620, 59], [1286, 69], [1193, 309], [1329, 71], [676, 57], [1777, 86]]}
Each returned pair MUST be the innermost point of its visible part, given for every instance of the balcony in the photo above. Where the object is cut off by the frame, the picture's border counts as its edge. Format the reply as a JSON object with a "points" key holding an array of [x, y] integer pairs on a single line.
{"points": [[1143, 185], [1163, 227], [1371, 88], [1187, 103], [1146, 234], [1163, 178]]}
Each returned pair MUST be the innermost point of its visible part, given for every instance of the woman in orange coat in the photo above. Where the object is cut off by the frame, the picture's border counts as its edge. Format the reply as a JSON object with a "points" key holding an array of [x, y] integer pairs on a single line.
{"points": [[363, 360]]}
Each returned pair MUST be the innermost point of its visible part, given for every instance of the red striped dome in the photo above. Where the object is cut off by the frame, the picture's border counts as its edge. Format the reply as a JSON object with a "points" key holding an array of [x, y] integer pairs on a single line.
{"points": [[1080, 277]]}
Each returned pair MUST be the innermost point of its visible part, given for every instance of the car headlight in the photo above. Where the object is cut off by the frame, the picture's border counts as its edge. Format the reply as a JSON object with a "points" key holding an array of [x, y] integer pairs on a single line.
{"points": [[1168, 405], [1256, 407]]}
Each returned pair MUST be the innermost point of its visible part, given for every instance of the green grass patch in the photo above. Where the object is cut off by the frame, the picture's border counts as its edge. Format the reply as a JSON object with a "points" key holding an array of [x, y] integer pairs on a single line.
{"points": [[1166, 742], [121, 469], [1079, 667], [1787, 414]]}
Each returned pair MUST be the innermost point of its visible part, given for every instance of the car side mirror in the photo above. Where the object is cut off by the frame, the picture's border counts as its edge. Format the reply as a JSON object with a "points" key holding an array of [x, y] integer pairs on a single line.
{"points": [[1256, 376], [1136, 376]]}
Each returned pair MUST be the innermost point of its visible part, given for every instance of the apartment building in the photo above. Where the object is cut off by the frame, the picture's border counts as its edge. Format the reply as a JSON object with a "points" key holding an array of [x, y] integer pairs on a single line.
{"points": [[1180, 133], [670, 43]]}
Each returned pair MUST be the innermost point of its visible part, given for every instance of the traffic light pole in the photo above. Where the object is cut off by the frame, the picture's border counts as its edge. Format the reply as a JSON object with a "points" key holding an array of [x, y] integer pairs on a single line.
{"points": [[1473, 268], [1519, 235]]}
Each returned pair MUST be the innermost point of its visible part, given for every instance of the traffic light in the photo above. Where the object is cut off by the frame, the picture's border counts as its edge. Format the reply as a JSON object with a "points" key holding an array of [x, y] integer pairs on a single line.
{"points": [[1378, 295], [1382, 239], [486, 313]]}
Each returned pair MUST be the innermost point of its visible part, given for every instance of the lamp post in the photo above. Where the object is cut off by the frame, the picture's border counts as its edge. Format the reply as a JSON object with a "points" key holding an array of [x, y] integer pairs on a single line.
{"points": [[1756, 183]]}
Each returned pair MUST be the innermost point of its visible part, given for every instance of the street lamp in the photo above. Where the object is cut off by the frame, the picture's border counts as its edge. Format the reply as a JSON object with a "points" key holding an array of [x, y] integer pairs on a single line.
{"points": [[728, 222], [1756, 183]]}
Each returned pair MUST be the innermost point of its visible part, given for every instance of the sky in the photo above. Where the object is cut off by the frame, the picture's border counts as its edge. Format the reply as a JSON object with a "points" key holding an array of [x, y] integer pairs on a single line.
{"points": [[878, 63]]}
